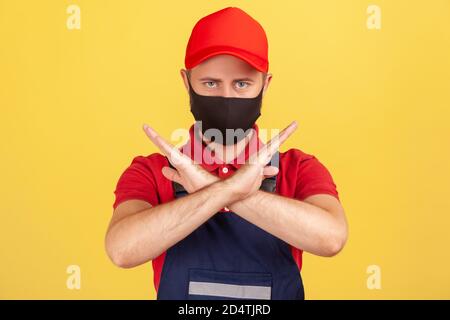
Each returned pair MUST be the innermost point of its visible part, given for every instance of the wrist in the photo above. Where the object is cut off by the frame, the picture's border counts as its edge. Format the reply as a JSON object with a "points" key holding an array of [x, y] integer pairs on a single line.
{"points": [[248, 201], [229, 190]]}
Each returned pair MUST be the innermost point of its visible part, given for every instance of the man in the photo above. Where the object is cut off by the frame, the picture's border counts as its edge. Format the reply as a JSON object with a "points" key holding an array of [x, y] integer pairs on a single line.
{"points": [[213, 226]]}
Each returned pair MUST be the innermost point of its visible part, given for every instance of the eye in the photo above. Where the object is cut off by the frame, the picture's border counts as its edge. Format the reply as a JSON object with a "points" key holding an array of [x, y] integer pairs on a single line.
{"points": [[210, 84], [242, 84]]}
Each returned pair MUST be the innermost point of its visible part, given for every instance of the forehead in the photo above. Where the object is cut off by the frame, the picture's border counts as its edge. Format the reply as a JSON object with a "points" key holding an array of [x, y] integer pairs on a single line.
{"points": [[224, 66]]}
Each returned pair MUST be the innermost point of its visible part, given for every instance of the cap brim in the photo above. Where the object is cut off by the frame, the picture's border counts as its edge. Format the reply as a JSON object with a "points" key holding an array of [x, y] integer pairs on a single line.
{"points": [[251, 59]]}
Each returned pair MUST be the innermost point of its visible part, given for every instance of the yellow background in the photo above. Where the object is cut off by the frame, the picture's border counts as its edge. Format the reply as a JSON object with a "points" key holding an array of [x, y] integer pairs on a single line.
{"points": [[373, 106]]}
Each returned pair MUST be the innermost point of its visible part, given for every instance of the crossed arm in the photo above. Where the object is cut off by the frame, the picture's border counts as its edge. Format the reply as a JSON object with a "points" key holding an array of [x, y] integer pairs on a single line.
{"points": [[139, 232]]}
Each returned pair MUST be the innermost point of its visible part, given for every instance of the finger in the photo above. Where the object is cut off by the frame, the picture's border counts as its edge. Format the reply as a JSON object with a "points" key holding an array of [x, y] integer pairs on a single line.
{"points": [[270, 171], [264, 155], [159, 141], [173, 154], [279, 139], [171, 174]]}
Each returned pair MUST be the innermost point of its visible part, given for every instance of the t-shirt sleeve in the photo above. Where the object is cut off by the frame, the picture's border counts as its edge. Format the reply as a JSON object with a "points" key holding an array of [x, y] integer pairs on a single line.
{"points": [[314, 178], [137, 182]]}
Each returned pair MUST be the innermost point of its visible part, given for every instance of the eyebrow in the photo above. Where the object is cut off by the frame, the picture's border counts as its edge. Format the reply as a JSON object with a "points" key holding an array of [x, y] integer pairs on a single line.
{"points": [[220, 80]]}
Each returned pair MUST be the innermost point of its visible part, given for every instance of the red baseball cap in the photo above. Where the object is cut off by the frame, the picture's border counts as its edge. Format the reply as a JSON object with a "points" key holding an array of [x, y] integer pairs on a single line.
{"points": [[228, 31]]}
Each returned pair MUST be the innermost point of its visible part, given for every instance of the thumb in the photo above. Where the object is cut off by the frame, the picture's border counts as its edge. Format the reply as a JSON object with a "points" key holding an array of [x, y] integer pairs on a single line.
{"points": [[270, 171], [171, 174]]}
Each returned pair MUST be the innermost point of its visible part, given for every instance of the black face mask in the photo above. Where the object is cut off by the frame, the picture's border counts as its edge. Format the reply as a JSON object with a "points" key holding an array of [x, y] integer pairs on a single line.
{"points": [[221, 113]]}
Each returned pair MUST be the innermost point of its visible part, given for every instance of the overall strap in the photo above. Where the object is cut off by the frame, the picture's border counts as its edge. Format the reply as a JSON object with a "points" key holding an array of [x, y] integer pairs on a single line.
{"points": [[270, 184]]}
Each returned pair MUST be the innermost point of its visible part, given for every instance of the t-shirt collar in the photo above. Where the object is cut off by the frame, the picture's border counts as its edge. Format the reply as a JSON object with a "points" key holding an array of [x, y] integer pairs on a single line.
{"points": [[198, 151]]}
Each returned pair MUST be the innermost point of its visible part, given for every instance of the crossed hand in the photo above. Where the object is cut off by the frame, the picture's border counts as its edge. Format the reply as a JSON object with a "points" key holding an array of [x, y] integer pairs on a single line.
{"points": [[244, 182]]}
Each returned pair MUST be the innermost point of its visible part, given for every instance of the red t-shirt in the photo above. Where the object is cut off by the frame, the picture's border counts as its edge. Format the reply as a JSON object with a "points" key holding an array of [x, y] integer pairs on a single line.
{"points": [[300, 175]]}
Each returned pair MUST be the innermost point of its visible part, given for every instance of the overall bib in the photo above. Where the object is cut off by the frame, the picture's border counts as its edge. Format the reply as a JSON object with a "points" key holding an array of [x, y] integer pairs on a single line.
{"points": [[230, 258]]}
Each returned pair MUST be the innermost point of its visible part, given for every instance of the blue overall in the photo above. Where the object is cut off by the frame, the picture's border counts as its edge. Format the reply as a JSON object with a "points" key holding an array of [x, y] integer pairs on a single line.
{"points": [[230, 258]]}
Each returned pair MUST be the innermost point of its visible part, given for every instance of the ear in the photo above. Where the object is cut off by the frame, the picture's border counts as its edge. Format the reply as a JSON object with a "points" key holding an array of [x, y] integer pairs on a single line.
{"points": [[267, 82], [185, 78]]}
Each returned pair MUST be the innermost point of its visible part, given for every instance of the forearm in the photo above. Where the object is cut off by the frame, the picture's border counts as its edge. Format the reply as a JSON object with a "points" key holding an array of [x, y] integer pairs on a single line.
{"points": [[298, 223], [144, 235]]}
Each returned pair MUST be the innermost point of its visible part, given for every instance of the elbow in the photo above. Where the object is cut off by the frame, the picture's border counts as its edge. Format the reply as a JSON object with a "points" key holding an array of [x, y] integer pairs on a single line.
{"points": [[333, 248], [336, 239], [124, 255], [118, 256], [119, 259], [334, 244]]}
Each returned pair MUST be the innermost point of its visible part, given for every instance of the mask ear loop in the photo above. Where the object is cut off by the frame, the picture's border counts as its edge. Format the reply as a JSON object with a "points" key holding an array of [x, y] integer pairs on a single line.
{"points": [[262, 89], [188, 76], [196, 129]]}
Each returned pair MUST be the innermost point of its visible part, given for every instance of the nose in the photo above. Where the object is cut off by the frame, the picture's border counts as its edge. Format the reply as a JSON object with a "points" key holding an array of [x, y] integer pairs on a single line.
{"points": [[228, 91]]}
